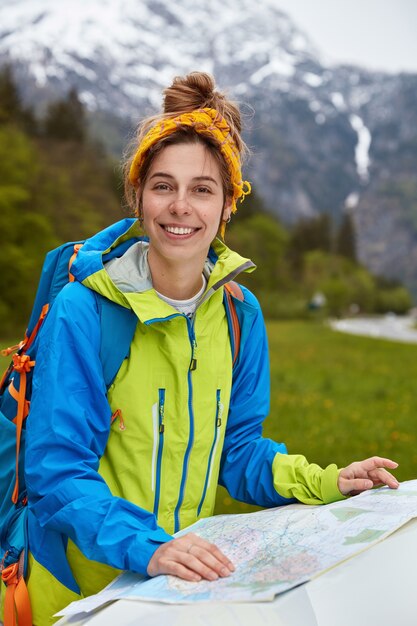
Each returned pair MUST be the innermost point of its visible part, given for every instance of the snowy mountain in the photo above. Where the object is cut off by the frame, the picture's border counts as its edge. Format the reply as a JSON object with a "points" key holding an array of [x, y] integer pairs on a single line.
{"points": [[120, 53], [324, 138]]}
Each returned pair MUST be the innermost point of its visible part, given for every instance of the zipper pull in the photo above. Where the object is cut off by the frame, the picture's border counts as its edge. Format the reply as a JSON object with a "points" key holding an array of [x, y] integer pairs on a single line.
{"points": [[220, 409], [161, 417], [193, 364]]}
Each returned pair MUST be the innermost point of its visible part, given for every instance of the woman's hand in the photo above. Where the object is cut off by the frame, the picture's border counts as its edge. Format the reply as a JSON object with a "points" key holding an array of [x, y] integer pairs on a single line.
{"points": [[363, 475], [190, 557]]}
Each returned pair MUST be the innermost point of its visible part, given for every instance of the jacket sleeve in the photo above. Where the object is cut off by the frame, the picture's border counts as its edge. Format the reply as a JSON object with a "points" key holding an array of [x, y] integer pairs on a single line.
{"points": [[67, 431], [255, 469]]}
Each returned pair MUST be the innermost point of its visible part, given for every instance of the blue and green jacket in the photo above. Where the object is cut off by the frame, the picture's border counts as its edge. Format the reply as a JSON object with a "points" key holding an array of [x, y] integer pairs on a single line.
{"points": [[113, 473]]}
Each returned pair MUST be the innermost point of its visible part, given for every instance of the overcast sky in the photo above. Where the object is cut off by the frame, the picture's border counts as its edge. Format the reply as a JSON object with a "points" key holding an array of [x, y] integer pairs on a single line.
{"points": [[378, 34]]}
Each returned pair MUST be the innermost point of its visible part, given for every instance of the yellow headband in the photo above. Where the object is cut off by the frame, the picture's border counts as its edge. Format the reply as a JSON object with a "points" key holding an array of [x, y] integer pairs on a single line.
{"points": [[205, 122]]}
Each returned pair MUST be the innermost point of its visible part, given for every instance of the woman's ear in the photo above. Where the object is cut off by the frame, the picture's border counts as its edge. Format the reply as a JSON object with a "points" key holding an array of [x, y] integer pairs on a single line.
{"points": [[227, 210], [138, 200]]}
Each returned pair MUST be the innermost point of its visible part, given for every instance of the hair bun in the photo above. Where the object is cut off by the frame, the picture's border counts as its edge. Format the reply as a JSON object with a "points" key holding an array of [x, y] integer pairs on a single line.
{"points": [[197, 90], [201, 82], [187, 93]]}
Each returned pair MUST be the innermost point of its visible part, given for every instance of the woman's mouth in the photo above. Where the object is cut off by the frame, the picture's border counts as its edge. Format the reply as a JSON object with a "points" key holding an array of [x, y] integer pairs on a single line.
{"points": [[179, 230]]}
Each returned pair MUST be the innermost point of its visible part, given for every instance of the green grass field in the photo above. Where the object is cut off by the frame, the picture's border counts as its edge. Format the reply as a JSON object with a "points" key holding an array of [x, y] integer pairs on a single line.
{"points": [[339, 398]]}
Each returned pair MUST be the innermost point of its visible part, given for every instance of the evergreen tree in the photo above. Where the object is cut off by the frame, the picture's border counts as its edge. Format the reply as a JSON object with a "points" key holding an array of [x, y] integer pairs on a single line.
{"points": [[264, 240], [307, 235], [12, 110], [66, 120], [10, 105], [345, 243]]}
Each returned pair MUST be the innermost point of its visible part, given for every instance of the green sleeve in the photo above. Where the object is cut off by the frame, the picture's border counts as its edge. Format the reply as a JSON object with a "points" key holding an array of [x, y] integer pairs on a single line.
{"points": [[295, 477]]}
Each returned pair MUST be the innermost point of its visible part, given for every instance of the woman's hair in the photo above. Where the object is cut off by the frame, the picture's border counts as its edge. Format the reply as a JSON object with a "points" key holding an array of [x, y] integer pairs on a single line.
{"points": [[188, 93]]}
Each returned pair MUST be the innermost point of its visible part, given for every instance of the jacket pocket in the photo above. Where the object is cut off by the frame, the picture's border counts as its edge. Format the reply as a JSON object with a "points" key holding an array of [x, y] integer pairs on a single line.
{"points": [[213, 449], [158, 410]]}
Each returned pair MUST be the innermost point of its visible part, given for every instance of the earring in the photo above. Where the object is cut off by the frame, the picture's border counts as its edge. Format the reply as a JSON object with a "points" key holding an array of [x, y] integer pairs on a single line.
{"points": [[229, 219]]}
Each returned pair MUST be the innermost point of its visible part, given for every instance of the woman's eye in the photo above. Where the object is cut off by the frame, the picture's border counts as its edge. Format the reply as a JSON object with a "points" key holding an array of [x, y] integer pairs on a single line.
{"points": [[203, 190], [161, 187]]}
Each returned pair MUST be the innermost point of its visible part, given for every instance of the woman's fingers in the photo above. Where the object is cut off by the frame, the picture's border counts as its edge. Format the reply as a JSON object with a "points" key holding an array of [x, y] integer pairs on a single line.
{"points": [[209, 554], [362, 475], [380, 476], [209, 561], [190, 557], [174, 568], [376, 462]]}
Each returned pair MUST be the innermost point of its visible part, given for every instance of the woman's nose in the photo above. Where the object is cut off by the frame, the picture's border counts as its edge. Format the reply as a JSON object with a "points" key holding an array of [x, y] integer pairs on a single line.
{"points": [[180, 206]]}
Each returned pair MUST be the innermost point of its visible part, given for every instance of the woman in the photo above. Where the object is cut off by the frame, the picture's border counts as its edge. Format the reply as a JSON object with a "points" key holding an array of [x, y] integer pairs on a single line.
{"points": [[112, 474]]}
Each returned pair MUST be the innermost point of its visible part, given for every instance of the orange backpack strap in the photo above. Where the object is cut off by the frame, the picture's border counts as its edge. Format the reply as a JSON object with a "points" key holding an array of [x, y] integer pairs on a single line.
{"points": [[21, 364], [77, 247], [27, 342], [17, 609], [233, 290]]}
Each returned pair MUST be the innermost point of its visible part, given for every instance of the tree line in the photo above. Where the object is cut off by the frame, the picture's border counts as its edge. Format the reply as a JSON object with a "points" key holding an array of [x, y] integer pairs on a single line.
{"points": [[58, 184], [310, 268]]}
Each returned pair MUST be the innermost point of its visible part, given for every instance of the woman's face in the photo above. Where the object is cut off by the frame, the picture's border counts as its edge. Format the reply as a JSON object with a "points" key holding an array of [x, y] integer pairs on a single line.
{"points": [[183, 204]]}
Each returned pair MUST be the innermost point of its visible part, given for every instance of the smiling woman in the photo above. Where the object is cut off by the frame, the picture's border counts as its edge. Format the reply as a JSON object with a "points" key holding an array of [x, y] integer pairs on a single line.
{"points": [[115, 468]]}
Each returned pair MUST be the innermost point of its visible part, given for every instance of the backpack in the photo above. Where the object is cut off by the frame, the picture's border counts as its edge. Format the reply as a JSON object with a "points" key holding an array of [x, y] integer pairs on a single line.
{"points": [[15, 394]]}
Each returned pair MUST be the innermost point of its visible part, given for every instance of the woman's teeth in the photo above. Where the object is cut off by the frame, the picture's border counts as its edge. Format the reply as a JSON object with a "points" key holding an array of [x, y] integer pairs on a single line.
{"points": [[176, 230]]}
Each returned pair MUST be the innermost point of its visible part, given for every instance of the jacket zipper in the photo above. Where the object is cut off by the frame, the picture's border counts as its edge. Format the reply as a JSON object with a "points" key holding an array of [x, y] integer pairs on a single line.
{"points": [[159, 428], [192, 367], [212, 455]]}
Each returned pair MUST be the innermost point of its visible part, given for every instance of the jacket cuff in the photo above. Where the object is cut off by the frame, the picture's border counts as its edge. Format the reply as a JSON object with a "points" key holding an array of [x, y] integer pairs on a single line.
{"points": [[295, 477], [329, 489], [145, 549]]}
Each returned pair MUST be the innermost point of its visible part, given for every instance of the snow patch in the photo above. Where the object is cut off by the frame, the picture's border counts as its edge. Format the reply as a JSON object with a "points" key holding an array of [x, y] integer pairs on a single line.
{"points": [[312, 79], [40, 75], [299, 42], [352, 200], [253, 49], [362, 147], [338, 101], [88, 100], [274, 67]]}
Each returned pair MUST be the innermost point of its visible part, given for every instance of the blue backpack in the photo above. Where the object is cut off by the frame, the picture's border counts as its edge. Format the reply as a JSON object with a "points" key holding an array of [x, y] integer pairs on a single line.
{"points": [[117, 329]]}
